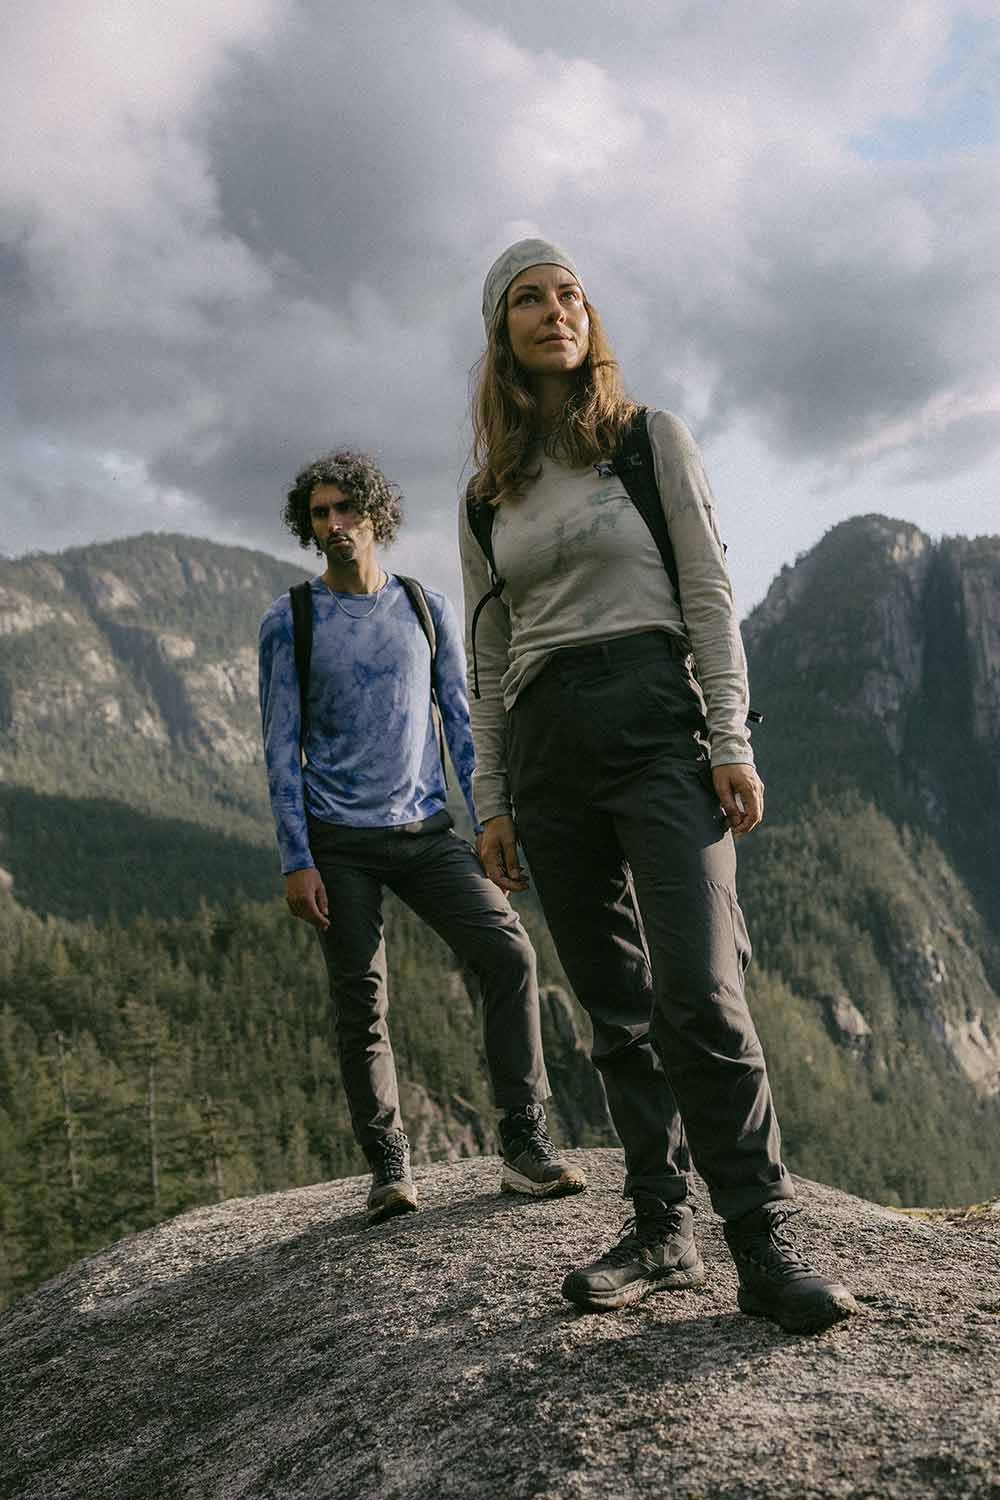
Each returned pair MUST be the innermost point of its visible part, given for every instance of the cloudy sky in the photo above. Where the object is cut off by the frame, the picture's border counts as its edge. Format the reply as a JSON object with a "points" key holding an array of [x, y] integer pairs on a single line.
{"points": [[236, 232]]}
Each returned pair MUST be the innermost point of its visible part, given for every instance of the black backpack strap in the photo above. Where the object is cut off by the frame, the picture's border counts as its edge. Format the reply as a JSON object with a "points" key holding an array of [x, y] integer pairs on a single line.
{"points": [[422, 610], [633, 463], [302, 636], [481, 514]]}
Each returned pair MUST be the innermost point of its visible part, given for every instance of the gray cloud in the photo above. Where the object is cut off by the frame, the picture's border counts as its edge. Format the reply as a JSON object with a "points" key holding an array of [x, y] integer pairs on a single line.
{"points": [[267, 233]]}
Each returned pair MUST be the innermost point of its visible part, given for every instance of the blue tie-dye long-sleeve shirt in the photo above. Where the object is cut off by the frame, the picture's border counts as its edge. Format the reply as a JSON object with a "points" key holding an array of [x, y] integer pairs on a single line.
{"points": [[372, 757]]}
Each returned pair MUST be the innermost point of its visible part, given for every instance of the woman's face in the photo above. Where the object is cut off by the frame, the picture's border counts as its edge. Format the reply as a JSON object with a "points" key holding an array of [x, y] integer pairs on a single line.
{"points": [[547, 321]]}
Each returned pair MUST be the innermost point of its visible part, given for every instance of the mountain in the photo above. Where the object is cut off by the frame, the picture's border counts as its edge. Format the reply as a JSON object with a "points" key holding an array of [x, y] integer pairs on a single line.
{"points": [[128, 725], [163, 1031], [879, 655], [878, 658]]}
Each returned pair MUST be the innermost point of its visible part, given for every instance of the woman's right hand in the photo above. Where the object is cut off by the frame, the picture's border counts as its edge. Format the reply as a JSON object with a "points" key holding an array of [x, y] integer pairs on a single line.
{"points": [[497, 850]]}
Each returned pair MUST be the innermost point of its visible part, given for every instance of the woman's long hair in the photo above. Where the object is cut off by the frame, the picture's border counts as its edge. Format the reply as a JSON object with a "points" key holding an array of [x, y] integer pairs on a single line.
{"points": [[505, 415]]}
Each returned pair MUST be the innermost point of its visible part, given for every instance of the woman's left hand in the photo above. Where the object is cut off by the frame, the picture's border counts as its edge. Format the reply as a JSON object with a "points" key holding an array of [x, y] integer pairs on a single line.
{"points": [[741, 793]]}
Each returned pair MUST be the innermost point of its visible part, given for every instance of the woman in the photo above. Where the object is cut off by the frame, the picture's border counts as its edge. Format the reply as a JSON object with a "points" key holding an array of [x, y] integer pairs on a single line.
{"points": [[629, 777]]}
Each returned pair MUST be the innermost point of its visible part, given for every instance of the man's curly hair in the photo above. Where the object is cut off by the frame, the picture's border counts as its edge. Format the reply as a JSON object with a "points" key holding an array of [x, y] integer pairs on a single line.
{"points": [[361, 480]]}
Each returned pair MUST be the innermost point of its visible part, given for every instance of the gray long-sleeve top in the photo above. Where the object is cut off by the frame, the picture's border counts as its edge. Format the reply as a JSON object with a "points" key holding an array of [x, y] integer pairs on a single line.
{"points": [[580, 566]]}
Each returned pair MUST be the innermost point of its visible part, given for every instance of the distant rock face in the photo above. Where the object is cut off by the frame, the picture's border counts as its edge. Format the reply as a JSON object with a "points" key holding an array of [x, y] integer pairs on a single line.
{"points": [[276, 1348], [171, 622], [826, 614], [578, 1098], [894, 692], [176, 647], [977, 569], [448, 1129], [847, 1025], [19, 612], [106, 591]]}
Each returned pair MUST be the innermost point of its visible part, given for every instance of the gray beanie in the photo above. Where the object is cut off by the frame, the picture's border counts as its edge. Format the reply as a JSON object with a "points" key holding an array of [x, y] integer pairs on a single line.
{"points": [[511, 263]]}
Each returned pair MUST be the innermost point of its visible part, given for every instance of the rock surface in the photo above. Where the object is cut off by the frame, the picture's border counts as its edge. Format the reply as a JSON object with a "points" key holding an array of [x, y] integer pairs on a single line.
{"points": [[275, 1347]]}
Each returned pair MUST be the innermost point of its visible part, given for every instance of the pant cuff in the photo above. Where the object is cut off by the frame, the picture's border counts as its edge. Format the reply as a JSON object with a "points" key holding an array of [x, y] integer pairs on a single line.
{"points": [[673, 1189], [517, 1099], [736, 1203]]}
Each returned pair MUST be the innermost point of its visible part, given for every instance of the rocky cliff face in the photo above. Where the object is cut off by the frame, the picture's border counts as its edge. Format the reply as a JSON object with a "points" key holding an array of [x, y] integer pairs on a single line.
{"points": [[147, 641], [277, 1348], [855, 604], [877, 660], [883, 627]]}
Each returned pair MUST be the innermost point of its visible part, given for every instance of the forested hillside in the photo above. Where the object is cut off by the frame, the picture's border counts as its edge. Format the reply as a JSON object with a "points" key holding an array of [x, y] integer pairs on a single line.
{"points": [[148, 1062], [149, 1067]]}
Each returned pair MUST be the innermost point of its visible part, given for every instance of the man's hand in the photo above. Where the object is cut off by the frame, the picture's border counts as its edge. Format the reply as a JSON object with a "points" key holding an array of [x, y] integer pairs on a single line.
{"points": [[741, 793], [306, 897], [497, 850]]}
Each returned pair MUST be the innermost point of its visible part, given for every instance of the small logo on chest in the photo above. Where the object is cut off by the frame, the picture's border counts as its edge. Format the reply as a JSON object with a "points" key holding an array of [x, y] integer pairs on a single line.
{"points": [[605, 469]]}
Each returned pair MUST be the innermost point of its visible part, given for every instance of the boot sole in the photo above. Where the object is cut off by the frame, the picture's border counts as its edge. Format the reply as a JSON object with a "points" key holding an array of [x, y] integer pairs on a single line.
{"points": [[389, 1208], [516, 1182], [833, 1309], [679, 1280]]}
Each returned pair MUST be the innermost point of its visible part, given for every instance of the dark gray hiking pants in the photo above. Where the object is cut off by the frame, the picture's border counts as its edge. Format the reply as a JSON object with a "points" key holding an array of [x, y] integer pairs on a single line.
{"points": [[617, 816], [439, 877]]}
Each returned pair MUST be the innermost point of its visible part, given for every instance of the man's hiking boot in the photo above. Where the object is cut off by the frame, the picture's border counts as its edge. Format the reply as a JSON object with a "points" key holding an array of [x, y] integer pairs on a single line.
{"points": [[392, 1190], [656, 1253], [531, 1163], [775, 1282]]}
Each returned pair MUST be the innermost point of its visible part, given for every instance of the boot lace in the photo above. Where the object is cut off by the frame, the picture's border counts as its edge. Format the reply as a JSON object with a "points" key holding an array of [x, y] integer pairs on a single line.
{"points": [[640, 1231], [530, 1132], [394, 1153], [773, 1248]]}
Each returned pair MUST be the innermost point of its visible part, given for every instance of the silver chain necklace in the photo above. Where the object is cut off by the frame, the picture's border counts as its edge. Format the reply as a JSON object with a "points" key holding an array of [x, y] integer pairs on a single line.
{"points": [[350, 613]]}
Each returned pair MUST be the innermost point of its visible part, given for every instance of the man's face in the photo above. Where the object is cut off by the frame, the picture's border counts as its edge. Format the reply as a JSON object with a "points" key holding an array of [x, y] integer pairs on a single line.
{"points": [[341, 531]]}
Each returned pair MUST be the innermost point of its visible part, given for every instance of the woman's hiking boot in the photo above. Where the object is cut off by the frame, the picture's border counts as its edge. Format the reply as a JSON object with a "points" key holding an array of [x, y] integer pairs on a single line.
{"points": [[656, 1253], [531, 1163], [392, 1191], [775, 1282]]}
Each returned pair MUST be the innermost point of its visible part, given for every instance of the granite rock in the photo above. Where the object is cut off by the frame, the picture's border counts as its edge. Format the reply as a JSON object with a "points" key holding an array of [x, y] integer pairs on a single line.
{"points": [[277, 1349]]}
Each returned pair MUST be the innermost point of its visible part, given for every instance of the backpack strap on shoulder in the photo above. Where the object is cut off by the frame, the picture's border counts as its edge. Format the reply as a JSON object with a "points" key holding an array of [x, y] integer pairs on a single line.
{"points": [[633, 463], [418, 599], [302, 638], [481, 514], [422, 610]]}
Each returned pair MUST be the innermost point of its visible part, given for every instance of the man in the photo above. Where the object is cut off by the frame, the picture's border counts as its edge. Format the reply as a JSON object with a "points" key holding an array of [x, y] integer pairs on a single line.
{"points": [[367, 809]]}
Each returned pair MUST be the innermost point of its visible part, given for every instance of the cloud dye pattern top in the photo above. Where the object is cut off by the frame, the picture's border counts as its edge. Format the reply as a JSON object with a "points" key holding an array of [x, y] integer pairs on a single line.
{"points": [[372, 758]]}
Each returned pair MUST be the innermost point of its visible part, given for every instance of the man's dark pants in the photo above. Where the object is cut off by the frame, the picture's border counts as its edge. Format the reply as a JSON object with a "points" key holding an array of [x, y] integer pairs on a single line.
{"points": [[439, 877], [617, 816]]}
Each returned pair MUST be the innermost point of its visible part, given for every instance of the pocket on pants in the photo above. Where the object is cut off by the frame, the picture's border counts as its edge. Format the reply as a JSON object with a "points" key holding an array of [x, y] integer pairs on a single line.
{"points": [[741, 937], [674, 692]]}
